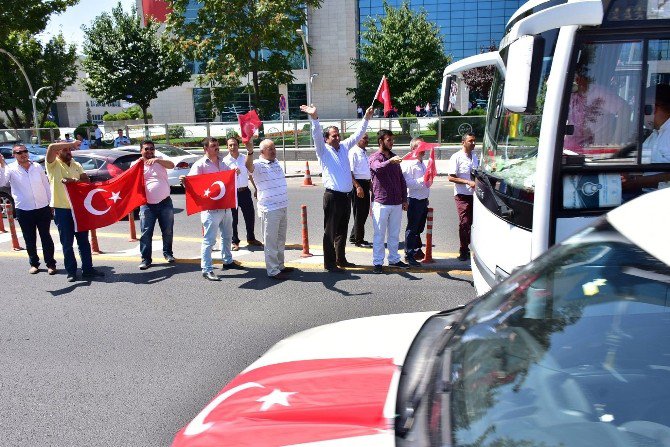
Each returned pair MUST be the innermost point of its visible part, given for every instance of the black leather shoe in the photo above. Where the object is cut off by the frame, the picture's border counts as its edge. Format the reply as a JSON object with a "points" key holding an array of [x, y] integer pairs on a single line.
{"points": [[377, 269], [281, 276], [464, 257], [232, 265], [71, 278], [92, 274], [399, 264], [170, 259], [346, 264], [287, 269], [334, 270], [211, 276], [144, 265], [413, 262]]}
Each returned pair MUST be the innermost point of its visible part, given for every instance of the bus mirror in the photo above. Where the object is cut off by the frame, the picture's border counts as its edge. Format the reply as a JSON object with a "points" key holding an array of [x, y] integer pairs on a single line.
{"points": [[524, 65], [449, 93]]}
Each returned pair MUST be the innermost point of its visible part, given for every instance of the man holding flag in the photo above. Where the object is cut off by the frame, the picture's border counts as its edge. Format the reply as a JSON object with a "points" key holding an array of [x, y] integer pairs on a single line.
{"points": [[214, 220], [62, 169], [333, 156], [419, 179]]}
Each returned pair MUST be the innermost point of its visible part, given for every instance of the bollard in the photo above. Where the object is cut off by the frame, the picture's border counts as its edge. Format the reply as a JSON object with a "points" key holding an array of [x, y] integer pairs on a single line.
{"points": [[428, 259], [307, 181], [95, 248], [12, 227], [131, 224], [305, 234], [2, 220]]}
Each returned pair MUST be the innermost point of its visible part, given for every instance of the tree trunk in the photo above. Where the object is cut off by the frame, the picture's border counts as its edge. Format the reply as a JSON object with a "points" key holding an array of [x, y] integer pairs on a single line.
{"points": [[146, 121], [254, 77]]}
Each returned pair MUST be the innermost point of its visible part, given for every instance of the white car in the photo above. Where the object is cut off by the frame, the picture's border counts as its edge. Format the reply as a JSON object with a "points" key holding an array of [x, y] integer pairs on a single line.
{"points": [[182, 160], [572, 349]]}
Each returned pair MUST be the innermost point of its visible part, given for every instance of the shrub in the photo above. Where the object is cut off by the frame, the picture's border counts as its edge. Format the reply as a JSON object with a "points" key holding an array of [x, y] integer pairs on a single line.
{"points": [[134, 112], [81, 129], [477, 111], [405, 124], [45, 133], [176, 132], [232, 133], [109, 117], [122, 116]]}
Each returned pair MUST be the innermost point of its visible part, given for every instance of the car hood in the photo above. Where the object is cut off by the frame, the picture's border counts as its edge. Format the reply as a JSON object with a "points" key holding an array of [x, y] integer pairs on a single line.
{"points": [[190, 159], [333, 385]]}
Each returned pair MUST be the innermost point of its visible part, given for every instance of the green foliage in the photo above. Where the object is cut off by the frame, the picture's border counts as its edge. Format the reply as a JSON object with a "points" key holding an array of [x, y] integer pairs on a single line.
{"points": [[45, 133], [28, 16], [406, 123], [264, 43], [109, 117], [122, 116], [134, 112], [231, 133], [51, 64], [128, 61], [405, 47], [176, 132], [477, 111], [82, 128]]}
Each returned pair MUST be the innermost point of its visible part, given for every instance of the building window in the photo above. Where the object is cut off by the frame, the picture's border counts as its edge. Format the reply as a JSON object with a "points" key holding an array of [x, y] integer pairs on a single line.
{"points": [[202, 105], [297, 95]]}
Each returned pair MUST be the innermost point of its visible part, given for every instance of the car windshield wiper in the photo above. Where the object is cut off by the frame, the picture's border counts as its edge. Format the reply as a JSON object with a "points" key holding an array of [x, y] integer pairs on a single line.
{"points": [[503, 209]]}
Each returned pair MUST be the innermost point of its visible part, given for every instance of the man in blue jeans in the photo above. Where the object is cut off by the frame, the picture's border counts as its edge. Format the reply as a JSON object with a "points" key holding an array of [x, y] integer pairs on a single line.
{"points": [[417, 204], [158, 207], [62, 169]]}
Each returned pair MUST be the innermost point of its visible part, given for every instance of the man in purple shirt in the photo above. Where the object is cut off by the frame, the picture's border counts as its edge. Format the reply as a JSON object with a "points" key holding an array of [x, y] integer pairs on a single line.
{"points": [[389, 192]]}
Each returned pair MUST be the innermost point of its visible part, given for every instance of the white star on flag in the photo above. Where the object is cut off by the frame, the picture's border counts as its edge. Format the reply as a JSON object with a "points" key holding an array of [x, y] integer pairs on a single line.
{"points": [[116, 196], [206, 194], [277, 397]]}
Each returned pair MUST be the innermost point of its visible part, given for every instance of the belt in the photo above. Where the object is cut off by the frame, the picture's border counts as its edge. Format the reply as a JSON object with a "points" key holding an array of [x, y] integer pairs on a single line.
{"points": [[336, 192], [242, 188]]}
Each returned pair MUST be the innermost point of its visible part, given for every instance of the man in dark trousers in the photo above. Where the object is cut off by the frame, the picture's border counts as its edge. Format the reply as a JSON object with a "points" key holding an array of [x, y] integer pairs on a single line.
{"points": [[360, 195]]}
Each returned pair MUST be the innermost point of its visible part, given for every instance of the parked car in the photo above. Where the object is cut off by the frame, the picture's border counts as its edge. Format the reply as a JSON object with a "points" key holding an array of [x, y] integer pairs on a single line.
{"points": [[572, 349], [5, 197], [103, 164], [182, 160]]}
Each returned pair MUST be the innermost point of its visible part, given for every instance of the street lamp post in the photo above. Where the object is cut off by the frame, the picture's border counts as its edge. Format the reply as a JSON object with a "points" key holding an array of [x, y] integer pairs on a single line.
{"points": [[33, 98], [301, 33]]}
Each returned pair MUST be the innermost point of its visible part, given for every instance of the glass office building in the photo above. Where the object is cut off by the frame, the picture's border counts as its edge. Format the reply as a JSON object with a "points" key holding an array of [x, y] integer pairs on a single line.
{"points": [[466, 25]]}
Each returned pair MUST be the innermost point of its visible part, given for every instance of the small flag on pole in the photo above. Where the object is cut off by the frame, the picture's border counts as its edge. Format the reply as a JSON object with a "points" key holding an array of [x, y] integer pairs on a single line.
{"points": [[384, 95]]}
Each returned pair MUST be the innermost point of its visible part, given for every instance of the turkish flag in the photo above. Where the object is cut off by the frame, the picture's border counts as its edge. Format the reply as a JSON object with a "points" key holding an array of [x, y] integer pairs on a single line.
{"points": [[384, 94], [431, 169], [96, 205], [216, 191], [249, 124], [156, 9], [295, 403]]}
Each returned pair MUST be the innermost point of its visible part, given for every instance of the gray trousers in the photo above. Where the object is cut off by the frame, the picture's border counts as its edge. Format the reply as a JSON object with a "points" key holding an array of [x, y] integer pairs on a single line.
{"points": [[273, 224]]}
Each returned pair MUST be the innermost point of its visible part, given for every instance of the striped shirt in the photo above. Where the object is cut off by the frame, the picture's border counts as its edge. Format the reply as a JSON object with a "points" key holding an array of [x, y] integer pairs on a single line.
{"points": [[270, 184]]}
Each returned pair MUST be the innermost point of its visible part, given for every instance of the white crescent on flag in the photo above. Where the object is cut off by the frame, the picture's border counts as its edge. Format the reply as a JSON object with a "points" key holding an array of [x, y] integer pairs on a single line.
{"points": [[250, 129], [88, 203], [223, 190]]}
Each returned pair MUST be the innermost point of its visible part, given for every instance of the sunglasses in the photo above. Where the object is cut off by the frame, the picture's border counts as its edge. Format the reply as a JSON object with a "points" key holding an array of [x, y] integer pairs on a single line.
{"points": [[25, 151]]}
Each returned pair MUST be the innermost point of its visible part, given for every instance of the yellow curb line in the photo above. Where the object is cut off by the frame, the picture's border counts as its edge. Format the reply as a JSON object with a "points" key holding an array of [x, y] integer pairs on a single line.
{"points": [[296, 265]]}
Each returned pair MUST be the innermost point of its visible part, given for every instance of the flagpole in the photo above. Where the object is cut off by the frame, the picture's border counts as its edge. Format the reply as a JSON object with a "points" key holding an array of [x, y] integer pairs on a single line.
{"points": [[378, 88]]}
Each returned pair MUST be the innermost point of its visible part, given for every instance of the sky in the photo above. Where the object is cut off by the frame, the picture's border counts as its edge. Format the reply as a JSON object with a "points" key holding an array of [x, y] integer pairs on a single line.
{"points": [[74, 17]]}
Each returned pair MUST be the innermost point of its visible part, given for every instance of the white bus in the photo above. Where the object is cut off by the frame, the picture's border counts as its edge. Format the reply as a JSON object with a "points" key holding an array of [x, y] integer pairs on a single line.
{"points": [[580, 87]]}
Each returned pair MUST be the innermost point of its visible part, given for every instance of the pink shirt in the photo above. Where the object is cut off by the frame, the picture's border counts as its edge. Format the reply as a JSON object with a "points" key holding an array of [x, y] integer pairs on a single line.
{"points": [[156, 183]]}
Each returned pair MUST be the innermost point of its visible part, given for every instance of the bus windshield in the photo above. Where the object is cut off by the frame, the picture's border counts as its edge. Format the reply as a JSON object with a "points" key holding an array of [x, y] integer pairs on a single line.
{"points": [[511, 140]]}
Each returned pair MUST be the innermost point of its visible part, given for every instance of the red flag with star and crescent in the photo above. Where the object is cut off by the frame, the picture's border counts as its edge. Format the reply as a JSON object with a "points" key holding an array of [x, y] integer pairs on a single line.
{"points": [[295, 403], [216, 191], [99, 204], [384, 95], [249, 124], [431, 169]]}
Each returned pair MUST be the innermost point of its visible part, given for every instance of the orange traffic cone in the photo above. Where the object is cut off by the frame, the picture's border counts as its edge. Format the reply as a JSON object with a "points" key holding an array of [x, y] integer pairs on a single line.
{"points": [[307, 181]]}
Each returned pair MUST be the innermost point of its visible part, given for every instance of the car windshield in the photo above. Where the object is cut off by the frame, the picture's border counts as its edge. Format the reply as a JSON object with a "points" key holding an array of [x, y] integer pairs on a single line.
{"points": [[573, 350], [171, 151]]}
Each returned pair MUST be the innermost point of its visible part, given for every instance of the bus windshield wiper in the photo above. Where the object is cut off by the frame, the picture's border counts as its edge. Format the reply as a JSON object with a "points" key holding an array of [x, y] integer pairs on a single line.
{"points": [[503, 209]]}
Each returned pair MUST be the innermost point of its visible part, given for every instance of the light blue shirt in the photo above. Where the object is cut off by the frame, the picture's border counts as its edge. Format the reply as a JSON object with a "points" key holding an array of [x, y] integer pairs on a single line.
{"points": [[335, 168]]}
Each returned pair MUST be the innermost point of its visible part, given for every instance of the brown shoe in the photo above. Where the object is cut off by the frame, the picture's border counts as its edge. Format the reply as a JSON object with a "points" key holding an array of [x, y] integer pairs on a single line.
{"points": [[254, 243], [33, 270], [235, 247], [52, 270]]}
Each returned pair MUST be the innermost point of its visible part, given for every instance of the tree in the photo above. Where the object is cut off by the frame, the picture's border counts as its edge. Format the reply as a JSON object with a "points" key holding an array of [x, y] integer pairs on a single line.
{"points": [[405, 47], [126, 61], [47, 65], [232, 38], [28, 16], [480, 79]]}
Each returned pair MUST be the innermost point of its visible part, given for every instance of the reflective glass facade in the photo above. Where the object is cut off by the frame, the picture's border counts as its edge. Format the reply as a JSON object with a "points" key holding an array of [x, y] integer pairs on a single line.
{"points": [[466, 25]]}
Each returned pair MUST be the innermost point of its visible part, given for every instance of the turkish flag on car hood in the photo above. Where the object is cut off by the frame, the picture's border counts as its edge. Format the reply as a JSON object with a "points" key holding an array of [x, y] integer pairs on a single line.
{"points": [[294, 403], [249, 124], [216, 191], [96, 205]]}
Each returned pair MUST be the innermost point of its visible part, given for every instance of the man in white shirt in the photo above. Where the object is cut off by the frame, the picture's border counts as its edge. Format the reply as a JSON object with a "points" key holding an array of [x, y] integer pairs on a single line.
{"points": [[121, 139], [98, 136], [360, 195], [272, 204], [461, 165], [84, 142], [32, 193], [158, 207], [235, 160], [214, 221], [417, 204], [333, 157]]}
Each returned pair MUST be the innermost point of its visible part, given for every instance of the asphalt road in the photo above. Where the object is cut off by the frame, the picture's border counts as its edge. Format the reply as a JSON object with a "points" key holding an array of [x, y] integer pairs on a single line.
{"points": [[129, 360]]}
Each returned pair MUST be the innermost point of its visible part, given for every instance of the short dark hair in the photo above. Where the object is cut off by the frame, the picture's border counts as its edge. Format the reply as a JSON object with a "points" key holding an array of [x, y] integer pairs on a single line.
{"points": [[326, 131], [662, 94], [148, 142], [119, 130], [383, 133], [466, 135], [207, 140], [232, 137]]}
